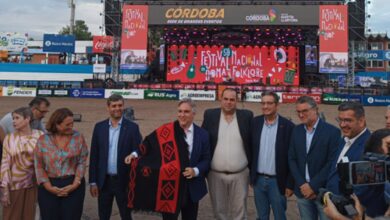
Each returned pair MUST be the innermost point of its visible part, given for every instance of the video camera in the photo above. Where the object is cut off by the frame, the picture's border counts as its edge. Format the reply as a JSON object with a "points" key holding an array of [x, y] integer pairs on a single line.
{"points": [[374, 169]]}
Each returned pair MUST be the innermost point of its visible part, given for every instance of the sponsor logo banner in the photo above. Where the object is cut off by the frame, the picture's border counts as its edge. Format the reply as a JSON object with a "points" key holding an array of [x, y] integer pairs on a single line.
{"points": [[256, 96], [44, 92], [60, 92], [13, 41], [371, 54], [233, 15], [87, 93], [335, 99], [125, 93], [102, 44], [19, 92], [292, 97], [58, 43], [198, 95], [99, 68], [269, 65], [161, 94], [134, 37], [376, 100], [52, 92], [333, 32]]}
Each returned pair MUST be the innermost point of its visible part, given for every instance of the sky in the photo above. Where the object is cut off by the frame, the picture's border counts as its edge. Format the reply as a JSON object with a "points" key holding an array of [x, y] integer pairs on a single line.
{"points": [[37, 17]]}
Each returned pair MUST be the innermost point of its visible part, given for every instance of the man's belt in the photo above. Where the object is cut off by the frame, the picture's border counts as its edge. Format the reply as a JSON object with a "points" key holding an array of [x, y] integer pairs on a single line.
{"points": [[266, 175], [229, 172]]}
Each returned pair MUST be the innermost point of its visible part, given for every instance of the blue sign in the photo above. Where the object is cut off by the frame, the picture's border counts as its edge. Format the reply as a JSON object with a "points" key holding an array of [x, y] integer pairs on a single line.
{"points": [[387, 55], [376, 100], [87, 93], [59, 43], [374, 55]]}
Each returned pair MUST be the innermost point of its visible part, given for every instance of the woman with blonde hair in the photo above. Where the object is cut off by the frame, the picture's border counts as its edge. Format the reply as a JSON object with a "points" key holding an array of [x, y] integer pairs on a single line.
{"points": [[18, 184]]}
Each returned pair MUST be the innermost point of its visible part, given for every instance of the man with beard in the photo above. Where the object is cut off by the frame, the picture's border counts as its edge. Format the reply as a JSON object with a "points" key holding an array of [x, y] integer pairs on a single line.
{"points": [[228, 179]]}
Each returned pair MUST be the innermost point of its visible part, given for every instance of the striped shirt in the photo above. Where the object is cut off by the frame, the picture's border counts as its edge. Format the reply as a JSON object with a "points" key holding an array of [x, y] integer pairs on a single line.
{"points": [[17, 165], [52, 161]]}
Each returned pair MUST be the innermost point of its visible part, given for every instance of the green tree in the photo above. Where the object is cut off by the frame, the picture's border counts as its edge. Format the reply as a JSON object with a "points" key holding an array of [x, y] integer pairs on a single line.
{"points": [[80, 30]]}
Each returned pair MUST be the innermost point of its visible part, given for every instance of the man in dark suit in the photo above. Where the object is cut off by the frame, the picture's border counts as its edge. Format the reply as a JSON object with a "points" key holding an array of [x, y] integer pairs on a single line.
{"points": [[228, 179], [312, 147], [192, 187], [269, 169], [199, 152], [112, 140], [352, 123]]}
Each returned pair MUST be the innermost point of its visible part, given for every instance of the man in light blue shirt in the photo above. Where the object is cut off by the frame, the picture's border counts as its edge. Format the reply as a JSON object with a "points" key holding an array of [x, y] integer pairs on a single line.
{"points": [[269, 172], [113, 147], [312, 148], [112, 140]]}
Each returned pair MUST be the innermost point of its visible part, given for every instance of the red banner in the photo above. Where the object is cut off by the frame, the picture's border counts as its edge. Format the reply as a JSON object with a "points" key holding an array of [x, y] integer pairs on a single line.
{"points": [[134, 37], [293, 97], [333, 34], [244, 64], [102, 44]]}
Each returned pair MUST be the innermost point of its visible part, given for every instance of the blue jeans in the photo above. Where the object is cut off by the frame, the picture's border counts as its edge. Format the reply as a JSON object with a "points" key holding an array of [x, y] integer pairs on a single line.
{"points": [[267, 195], [310, 209]]}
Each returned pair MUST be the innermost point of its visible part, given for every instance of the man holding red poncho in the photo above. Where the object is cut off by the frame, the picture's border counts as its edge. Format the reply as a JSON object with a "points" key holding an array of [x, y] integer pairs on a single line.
{"points": [[169, 174]]}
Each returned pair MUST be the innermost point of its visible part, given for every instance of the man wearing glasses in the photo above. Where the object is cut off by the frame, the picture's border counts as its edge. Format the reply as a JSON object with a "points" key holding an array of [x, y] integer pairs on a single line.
{"points": [[312, 147], [39, 107], [269, 174], [352, 123]]}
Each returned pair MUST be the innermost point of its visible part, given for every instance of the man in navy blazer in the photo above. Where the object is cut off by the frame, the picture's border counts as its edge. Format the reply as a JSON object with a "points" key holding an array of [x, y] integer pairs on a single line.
{"points": [[112, 140], [352, 123], [269, 174], [313, 145], [199, 149], [194, 186]]}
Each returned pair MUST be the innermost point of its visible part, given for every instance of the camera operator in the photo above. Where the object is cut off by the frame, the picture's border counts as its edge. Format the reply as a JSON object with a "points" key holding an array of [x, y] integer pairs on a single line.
{"points": [[373, 197], [331, 211]]}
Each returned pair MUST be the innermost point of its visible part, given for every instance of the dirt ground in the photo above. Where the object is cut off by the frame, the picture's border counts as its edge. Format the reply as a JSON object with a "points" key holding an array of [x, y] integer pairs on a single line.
{"points": [[150, 114]]}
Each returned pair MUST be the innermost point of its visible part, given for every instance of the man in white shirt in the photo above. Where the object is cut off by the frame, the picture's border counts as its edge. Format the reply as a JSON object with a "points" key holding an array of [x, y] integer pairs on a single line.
{"points": [[352, 123], [228, 179]]}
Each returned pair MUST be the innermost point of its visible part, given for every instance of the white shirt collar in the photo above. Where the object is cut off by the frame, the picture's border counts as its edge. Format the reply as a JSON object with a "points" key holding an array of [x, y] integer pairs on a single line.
{"points": [[352, 140], [191, 128]]}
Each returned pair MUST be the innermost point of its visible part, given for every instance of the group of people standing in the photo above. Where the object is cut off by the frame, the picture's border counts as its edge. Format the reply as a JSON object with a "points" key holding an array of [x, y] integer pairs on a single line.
{"points": [[166, 171], [47, 163]]}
